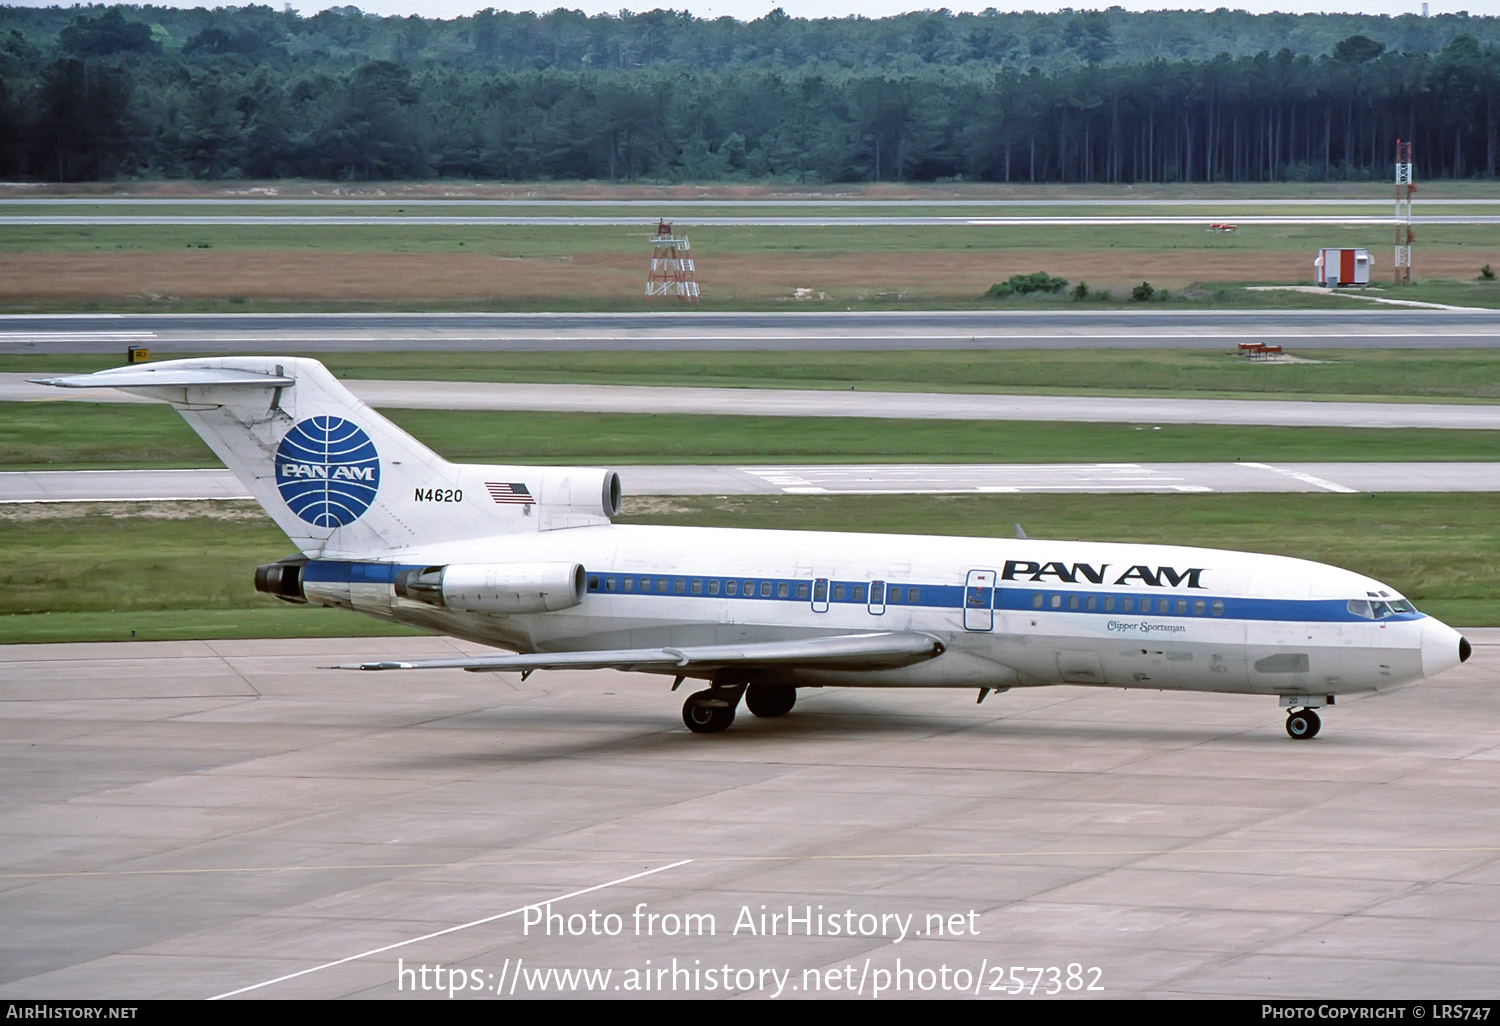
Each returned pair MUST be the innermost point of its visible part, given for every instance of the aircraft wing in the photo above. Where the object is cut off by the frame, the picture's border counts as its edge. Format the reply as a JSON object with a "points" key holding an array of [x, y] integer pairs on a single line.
{"points": [[841, 652]]}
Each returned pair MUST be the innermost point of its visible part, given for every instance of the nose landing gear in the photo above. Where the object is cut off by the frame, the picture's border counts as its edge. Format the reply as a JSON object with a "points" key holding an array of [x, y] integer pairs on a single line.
{"points": [[1302, 723]]}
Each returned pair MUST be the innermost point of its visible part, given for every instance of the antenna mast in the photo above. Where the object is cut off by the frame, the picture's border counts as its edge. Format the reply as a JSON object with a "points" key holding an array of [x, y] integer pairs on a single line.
{"points": [[1404, 188]]}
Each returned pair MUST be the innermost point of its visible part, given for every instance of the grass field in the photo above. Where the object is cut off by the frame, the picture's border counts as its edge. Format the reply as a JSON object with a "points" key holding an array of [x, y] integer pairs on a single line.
{"points": [[74, 436], [289, 188], [396, 264], [93, 573]]}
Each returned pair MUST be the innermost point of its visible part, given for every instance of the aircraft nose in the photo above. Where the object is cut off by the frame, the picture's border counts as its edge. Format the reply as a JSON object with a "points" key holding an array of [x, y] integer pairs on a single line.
{"points": [[1443, 648]]}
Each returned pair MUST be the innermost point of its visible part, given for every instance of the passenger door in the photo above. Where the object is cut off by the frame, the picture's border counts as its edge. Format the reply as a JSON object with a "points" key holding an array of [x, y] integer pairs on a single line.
{"points": [[979, 601]]}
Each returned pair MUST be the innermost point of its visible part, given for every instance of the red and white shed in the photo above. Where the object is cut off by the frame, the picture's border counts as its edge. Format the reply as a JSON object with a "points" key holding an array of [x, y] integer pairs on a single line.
{"points": [[1342, 267]]}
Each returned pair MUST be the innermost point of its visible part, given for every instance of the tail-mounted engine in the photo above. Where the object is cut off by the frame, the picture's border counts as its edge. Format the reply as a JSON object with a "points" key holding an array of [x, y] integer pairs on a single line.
{"points": [[283, 579], [495, 587]]}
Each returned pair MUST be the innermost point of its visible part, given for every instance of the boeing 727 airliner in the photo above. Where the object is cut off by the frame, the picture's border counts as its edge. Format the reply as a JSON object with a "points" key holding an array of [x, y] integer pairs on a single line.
{"points": [[526, 559]]}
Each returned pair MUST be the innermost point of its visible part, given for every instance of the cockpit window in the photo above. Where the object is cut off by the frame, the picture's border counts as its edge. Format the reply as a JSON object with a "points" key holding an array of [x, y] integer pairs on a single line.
{"points": [[1379, 609]]}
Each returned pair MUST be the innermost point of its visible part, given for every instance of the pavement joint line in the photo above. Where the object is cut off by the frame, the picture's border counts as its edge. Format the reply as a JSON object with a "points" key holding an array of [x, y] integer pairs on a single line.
{"points": [[451, 929], [797, 857]]}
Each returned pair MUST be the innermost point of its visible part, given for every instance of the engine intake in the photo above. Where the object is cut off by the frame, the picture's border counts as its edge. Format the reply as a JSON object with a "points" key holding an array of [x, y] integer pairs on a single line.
{"points": [[496, 587]]}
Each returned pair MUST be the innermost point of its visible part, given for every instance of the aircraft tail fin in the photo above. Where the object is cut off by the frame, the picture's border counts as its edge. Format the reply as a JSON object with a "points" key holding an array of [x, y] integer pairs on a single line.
{"points": [[339, 478]]}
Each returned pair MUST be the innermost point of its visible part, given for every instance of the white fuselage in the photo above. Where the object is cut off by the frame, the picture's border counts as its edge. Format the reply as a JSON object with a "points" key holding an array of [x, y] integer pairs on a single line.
{"points": [[1009, 612]]}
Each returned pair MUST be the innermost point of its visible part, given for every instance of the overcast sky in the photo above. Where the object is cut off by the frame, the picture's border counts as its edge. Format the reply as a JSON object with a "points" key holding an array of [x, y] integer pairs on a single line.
{"points": [[748, 10]]}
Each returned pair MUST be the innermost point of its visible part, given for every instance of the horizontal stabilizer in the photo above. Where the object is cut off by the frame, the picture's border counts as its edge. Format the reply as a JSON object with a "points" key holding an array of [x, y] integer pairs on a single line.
{"points": [[843, 652], [167, 375]]}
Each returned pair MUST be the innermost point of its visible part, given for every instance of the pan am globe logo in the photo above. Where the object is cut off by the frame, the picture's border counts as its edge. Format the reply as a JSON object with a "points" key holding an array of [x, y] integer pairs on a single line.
{"points": [[327, 471]]}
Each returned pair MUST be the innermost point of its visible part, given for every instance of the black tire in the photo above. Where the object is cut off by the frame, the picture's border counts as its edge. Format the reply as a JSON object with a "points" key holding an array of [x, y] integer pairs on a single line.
{"points": [[1303, 725], [770, 699], [703, 716]]}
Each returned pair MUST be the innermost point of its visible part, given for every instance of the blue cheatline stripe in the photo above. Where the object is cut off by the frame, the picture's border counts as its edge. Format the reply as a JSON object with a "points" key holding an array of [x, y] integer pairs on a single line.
{"points": [[338, 571], [929, 596]]}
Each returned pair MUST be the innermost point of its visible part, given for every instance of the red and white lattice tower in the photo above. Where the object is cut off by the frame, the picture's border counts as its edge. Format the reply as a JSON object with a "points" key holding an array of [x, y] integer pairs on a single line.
{"points": [[1404, 188], [672, 271]]}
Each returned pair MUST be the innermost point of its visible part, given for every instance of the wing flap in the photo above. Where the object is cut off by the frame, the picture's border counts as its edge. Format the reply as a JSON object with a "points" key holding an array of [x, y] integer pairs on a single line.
{"points": [[841, 652]]}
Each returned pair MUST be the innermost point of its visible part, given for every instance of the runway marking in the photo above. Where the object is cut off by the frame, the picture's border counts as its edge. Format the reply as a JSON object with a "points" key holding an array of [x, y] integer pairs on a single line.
{"points": [[1298, 475], [451, 929], [73, 336], [1126, 477], [997, 489]]}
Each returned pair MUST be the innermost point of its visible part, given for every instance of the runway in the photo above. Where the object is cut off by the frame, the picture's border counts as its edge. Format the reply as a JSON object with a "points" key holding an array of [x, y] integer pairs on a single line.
{"points": [[692, 221], [1343, 326], [200, 819], [676, 202], [832, 479], [812, 403]]}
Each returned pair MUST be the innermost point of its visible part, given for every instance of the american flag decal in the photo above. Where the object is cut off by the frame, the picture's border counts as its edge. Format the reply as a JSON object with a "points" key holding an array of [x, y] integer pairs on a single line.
{"points": [[512, 493]]}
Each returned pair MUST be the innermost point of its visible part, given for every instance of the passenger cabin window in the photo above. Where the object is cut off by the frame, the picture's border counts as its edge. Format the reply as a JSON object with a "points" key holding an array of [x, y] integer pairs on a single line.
{"points": [[713, 587], [731, 587]]}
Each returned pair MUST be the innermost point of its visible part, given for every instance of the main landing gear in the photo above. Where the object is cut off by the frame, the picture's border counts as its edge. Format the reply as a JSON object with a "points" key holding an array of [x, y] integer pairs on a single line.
{"points": [[770, 699], [712, 710], [1302, 723]]}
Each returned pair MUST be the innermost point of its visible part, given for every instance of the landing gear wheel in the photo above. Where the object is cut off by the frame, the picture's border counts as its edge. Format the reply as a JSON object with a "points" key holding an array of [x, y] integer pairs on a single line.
{"points": [[1303, 724], [707, 713], [770, 699]]}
